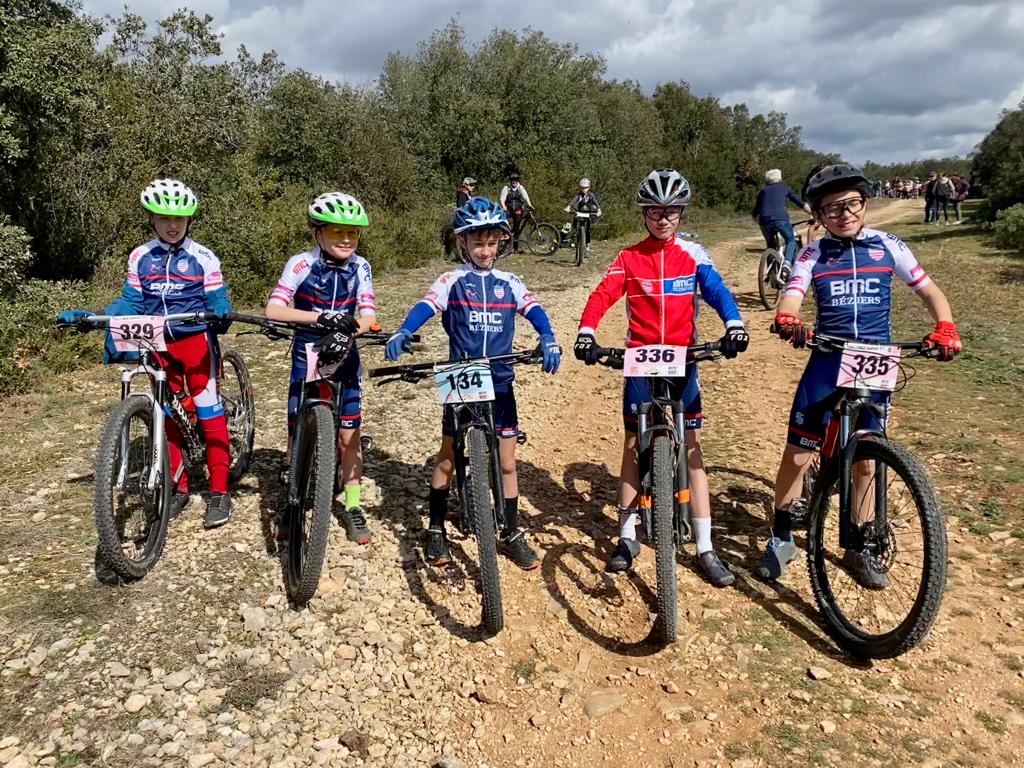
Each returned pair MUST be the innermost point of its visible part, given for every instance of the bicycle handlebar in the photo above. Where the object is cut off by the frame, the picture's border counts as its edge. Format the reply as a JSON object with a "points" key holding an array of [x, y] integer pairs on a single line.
{"points": [[615, 357], [838, 344], [412, 372]]}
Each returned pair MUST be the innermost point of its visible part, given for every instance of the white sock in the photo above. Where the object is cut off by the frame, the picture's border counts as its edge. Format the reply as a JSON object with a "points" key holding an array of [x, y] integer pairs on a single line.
{"points": [[627, 523], [702, 533]]}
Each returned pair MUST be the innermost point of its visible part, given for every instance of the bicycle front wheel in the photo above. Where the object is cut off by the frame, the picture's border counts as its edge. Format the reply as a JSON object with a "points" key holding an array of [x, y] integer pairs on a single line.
{"points": [[131, 519], [308, 522], [880, 601], [581, 246], [768, 278], [239, 410], [664, 538], [478, 509], [543, 240]]}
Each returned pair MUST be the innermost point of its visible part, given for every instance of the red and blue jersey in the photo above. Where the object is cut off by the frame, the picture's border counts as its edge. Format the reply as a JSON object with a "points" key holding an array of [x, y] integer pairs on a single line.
{"points": [[852, 281], [660, 280]]}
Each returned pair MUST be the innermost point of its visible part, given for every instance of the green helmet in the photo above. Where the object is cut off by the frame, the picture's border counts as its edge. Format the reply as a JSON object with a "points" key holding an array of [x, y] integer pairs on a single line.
{"points": [[169, 197], [337, 208]]}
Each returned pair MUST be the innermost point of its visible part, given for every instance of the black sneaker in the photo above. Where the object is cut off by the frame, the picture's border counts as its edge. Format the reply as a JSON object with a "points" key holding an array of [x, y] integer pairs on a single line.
{"points": [[218, 510], [514, 547], [715, 569], [626, 551], [179, 501], [354, 521], [435, 549], [104, 573]]}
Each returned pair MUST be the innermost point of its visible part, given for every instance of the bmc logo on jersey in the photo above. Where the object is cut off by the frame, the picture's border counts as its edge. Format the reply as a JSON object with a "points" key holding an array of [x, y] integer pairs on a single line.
{"points": [[679, 286], [487, 318], [855, 285], [499, 292]]}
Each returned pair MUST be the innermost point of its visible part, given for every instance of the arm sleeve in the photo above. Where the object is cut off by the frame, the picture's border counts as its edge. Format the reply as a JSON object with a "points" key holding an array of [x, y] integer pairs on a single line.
{"points": [[794, 198], [539, 320], [907, 268], [366, 301], [715, 292], [757, 204], [525, 300], [418, 315], [608, 291], [294, 273]]}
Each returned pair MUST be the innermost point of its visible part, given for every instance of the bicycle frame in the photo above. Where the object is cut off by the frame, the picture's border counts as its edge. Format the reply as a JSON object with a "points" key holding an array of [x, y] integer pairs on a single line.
{"points": [[650, 423], [306, 402]]}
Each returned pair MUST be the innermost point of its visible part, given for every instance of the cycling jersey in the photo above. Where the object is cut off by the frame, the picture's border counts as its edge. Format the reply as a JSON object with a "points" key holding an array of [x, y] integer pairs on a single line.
{"points": [[660, 281], [852, 281], [171, 279], [585, 203], [514, 198], [478, 311]]}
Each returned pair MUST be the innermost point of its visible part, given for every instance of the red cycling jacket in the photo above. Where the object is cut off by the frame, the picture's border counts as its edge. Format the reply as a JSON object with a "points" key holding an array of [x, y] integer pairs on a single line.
{"points": [[660, 281]]}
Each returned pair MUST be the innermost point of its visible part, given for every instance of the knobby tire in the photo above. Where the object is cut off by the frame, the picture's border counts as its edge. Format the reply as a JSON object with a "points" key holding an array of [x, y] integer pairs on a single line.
{"points": [[478, 506], [664, 538], [543, 240], [242, 421], [769, 295]]}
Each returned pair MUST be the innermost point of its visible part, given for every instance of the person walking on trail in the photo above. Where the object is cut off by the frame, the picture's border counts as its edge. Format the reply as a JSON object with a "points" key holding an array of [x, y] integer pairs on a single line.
{"points": [[772, 218], [515, 201], [931, 211], [961, 189], [944, 194], [585, 201], [466, 191]]}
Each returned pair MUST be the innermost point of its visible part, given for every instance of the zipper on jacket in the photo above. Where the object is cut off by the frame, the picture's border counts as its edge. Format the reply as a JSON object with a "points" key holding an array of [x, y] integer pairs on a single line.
{"points": [[483, 290], [856, 295], [661, 287]]}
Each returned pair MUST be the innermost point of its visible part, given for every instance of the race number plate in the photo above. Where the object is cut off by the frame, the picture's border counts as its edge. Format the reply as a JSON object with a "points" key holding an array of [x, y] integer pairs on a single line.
{"points": [[464, 383], [655, 360], [874, 366], [131, 332], [315, 371]]}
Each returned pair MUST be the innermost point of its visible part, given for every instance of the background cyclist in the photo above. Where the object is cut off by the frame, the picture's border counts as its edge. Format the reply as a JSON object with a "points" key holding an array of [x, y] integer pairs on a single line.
{"points": [[772, 217], [585, 201]]}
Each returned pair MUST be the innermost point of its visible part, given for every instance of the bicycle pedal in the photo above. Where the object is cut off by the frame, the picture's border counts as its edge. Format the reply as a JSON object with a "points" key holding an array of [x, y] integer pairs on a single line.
{"points": [[366, 442], [521, 438]]}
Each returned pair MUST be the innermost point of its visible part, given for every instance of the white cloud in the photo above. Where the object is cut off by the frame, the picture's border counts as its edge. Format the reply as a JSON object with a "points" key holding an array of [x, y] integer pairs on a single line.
{"points": [[875, 79]]}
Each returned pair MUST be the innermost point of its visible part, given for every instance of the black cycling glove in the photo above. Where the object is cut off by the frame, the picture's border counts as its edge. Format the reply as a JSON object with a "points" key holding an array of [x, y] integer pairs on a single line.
{"points": [[334, 347], [339, 321], [583, 348], [734, 341]]}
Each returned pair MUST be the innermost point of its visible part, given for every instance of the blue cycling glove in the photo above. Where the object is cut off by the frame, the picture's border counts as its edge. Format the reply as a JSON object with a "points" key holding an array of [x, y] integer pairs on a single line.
{"points": [[72, 316], [398, 344], [552, 353]]}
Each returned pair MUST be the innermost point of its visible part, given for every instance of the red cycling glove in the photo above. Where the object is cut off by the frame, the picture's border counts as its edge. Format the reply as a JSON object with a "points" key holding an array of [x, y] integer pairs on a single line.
{"points": [[792, 329], [945, 340]]}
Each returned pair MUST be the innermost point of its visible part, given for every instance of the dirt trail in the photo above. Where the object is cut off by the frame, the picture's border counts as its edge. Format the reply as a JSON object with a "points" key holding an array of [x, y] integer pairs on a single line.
{"points": [[386, 667]]}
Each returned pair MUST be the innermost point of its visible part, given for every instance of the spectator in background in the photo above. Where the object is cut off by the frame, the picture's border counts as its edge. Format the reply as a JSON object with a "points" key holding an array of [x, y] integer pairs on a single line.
{"points": [[943, 193], [772, 218], [515, 201], [961, 189], [931, 212], [466, 191]]}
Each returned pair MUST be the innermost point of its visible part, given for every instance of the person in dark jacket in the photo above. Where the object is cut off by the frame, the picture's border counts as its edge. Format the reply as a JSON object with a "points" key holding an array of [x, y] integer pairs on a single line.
{"points": [[961, 189], [466, 191], [944, 193], [771, 215], [931, 210]]}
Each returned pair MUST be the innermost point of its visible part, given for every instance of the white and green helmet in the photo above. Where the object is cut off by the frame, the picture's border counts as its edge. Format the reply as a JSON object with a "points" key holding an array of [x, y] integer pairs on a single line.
{"points": [[169, 197], [337, 208]]}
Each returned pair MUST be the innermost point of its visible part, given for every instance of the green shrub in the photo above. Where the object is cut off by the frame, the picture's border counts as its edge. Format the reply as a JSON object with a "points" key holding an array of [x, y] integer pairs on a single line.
{"points": [[1010, 227], [15, 257]]}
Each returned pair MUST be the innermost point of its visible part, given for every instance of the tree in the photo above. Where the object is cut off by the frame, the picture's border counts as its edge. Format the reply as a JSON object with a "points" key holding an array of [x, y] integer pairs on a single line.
{"points": [[999, 162]]}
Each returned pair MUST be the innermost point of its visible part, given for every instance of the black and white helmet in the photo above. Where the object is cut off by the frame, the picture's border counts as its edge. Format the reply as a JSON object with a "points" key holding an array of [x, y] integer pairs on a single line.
{"points": [[834, 178], [664, 187]]}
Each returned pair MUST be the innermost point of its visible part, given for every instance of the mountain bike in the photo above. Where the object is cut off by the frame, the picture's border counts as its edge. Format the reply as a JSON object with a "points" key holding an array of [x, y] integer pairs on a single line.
{"points": [[133, 479], [770, 282], [541, 238], [579, 235], [870, 496], [664, 493], [467, 387], [304, 525]]}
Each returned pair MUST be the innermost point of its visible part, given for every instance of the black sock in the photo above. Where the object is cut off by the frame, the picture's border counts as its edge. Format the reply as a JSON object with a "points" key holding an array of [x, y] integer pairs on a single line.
{"points": [[782, 524], [511, 515], [438, 507]]}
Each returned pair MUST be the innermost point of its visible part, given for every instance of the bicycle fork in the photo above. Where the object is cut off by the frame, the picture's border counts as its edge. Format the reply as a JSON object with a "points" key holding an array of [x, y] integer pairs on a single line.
{"points": [[156, 398], [853, 535], [681, 499]]}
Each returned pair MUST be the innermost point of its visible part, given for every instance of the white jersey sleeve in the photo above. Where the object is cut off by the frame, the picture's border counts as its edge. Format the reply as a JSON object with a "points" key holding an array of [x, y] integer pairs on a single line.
{"points": [[525, 300], [213, 277], [132, 278], [906, 266], [437, 295], [526, 196], [366, 301], [803, 265], [294, 273]]}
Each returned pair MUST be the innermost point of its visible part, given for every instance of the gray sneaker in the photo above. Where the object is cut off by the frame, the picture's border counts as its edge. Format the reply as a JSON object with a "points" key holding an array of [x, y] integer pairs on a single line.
{"points": [[218, 510], [777, 555], [711, 564], [622, 558], [865, 569]]}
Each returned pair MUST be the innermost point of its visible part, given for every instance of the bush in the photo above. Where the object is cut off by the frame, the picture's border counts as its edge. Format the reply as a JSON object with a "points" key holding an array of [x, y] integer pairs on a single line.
{"points": [[15, 257], [1010, 227]]}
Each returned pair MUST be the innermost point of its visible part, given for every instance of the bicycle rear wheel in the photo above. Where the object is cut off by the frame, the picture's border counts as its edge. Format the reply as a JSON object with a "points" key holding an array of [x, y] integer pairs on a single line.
{"points": [[768, 278], [581, 246], [908, 553], [543, 240], [664, 539], [308, 523], [131, 520], [239, 410], [478, 509]]}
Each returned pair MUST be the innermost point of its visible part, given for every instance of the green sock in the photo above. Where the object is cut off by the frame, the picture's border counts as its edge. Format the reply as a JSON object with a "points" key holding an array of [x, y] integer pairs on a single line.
{"points": [[352, 496]]}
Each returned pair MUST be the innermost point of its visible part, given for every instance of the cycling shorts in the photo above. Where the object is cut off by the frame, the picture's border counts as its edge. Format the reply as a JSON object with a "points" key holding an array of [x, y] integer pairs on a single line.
{"points": [[816, 396], [347, 375], [635, 391], [506, 417]]}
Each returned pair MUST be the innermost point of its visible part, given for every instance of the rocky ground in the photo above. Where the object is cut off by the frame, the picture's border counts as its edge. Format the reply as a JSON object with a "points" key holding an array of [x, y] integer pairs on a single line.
{"points": [[204, 662]]}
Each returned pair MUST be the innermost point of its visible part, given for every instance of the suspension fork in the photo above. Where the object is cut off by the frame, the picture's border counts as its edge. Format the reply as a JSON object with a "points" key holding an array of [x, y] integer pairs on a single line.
{"points": [[459, 457], [684, 532], [159, 434], [497, 486], [643, 466]]}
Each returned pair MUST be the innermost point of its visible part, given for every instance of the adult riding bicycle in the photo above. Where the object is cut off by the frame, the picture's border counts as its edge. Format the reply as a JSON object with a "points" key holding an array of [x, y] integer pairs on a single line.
{"points": [[133, 479], [664, 493], [871, 499], [467, 388], [304, 525], [541, 238], [772, 272]]}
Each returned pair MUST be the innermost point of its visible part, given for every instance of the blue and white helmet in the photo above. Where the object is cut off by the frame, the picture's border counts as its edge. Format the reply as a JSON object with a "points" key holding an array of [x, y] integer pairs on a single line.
{"points": [[479, 213]]}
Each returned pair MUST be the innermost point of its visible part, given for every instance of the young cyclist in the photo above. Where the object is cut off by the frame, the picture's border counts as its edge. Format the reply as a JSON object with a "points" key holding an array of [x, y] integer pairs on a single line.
{"points": [[478, 306], [851, 268], [659, 277], [174, 274], [332, 285], [585, 201]]}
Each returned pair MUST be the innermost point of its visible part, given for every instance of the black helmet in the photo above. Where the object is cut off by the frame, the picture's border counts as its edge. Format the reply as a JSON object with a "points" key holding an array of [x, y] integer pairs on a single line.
{"points": [[664, 187], [834, 178]]}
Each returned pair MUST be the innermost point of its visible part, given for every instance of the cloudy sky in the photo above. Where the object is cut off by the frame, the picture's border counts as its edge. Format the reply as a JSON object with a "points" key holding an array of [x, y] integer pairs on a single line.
{"points": [[883, 80]]}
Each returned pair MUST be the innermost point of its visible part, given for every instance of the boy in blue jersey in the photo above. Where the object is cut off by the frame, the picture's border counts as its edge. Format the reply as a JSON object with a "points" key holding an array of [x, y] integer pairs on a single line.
{"points": [[478, 306], [851, 269], [173, 274], [332, 285]]}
